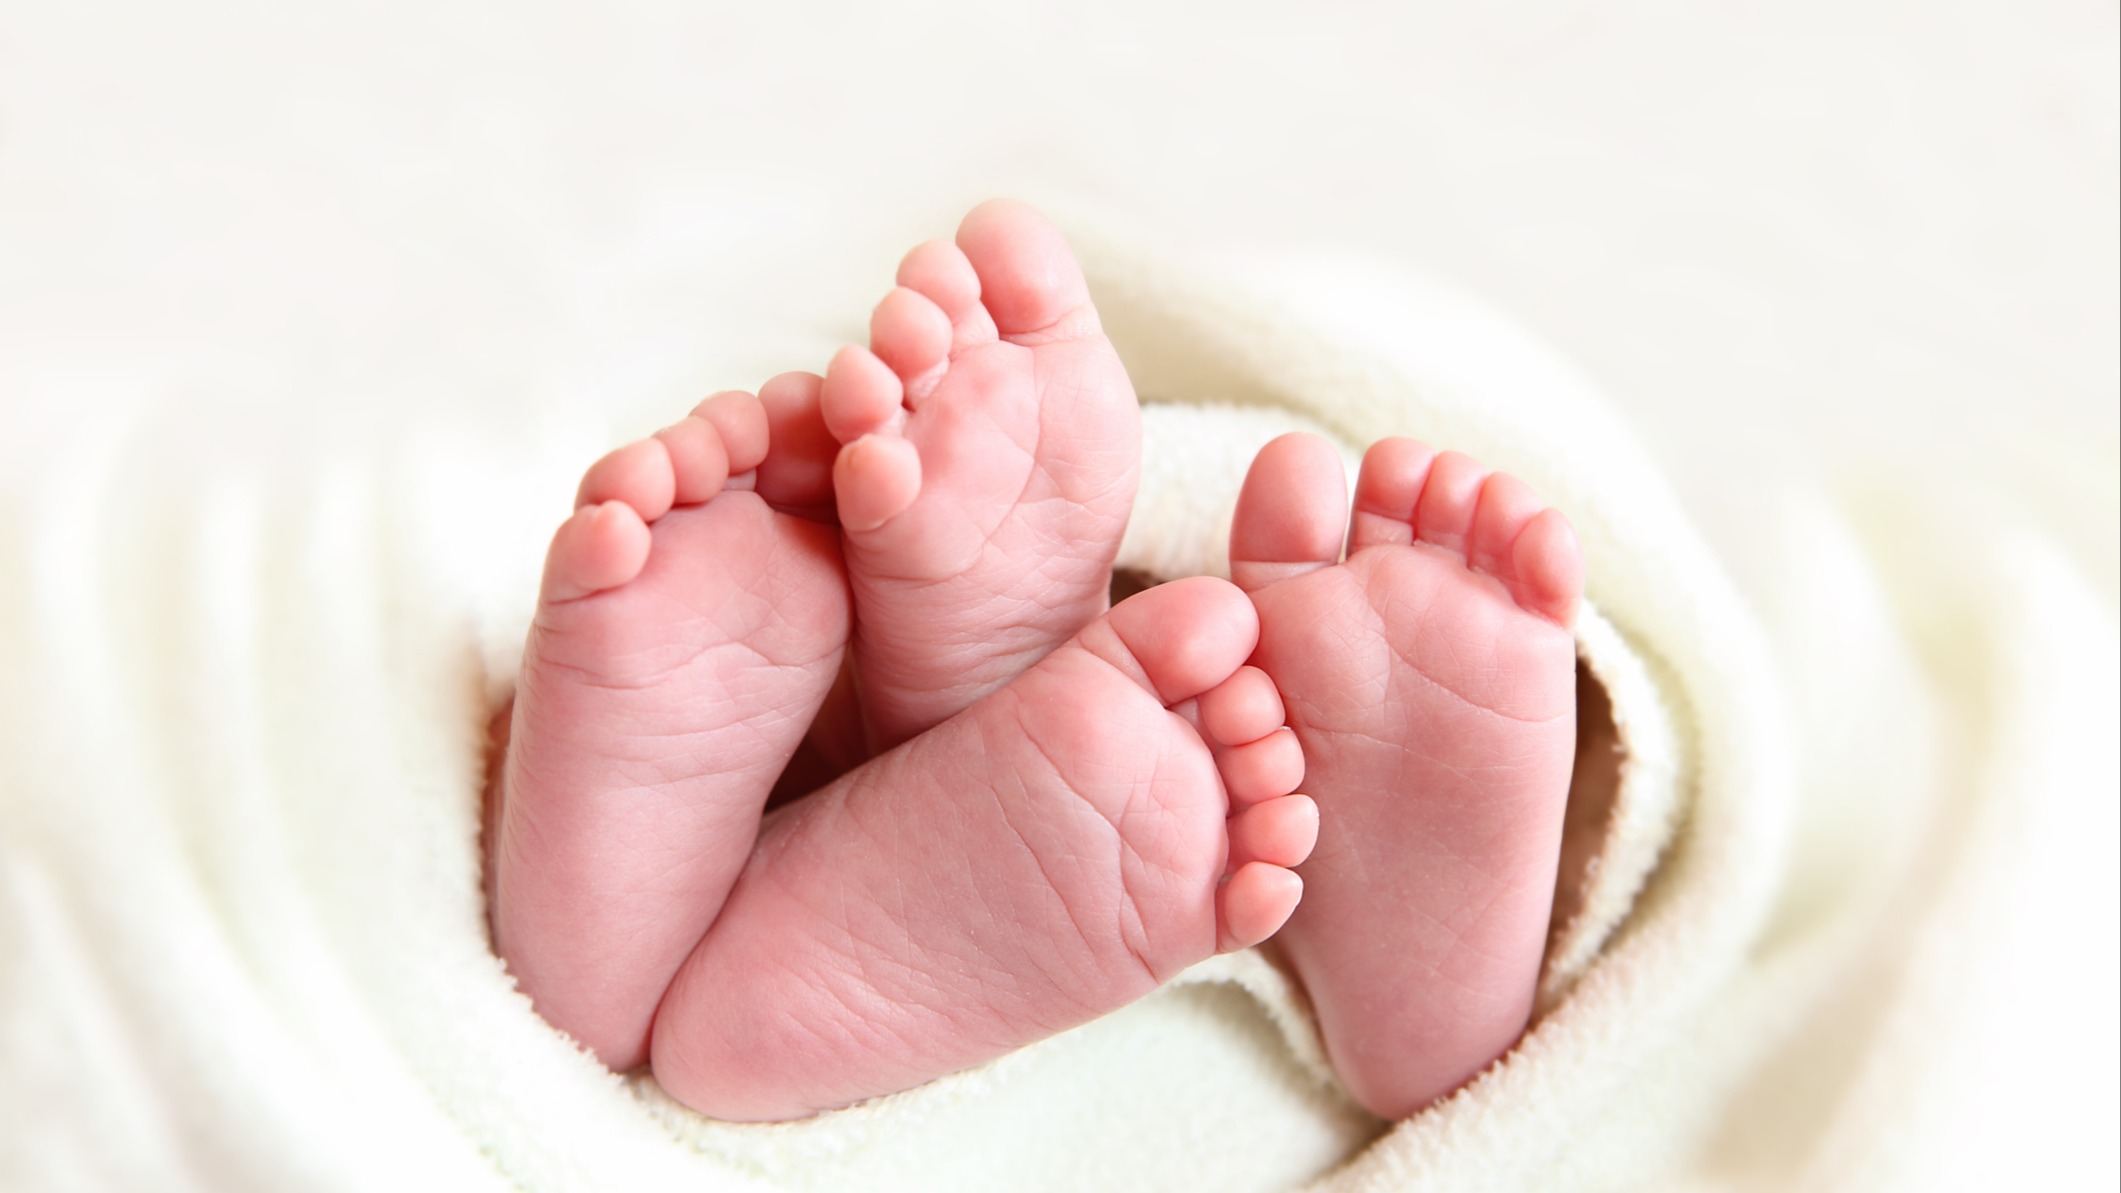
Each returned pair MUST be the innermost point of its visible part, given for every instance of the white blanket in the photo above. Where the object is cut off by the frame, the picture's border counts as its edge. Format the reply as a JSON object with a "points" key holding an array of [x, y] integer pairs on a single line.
{"points": [[241, 717], [311, 314]]}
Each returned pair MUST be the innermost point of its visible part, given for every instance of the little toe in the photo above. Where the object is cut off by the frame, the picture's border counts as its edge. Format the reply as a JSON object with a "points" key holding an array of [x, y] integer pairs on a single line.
{"points": [[1262, 770], [601, 546], [1507, 505], [1280, 832], [1443, 517], [796, 474], [861, 395], [1242, 709], [1029, 280], [912, 335], [1179, 639], [740, 419], [1254, 904], [639, 474], [1291, 514], [699, 464], [1549, 566], [875, 478], [1393, 472], [940, 270]]}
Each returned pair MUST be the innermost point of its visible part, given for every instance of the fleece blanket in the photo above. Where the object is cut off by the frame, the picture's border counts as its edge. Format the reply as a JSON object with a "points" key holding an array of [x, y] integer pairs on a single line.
{"points": [[246, 663]]}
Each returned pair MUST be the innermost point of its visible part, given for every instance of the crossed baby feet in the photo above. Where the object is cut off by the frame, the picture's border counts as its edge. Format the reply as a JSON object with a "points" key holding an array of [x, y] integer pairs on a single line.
{"points": [[1053, 807]]}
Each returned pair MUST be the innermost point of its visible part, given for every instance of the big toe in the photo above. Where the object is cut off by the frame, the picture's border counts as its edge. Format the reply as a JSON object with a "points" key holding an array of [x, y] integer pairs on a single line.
{"points": [[1029, 279], [796, 474], [1292, 513], [1178, 640]]}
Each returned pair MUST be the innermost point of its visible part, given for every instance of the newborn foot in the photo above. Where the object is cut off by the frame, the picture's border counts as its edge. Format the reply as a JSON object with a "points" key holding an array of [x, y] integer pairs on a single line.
{"points": [[1054, 853], [1431, 680], [686, 632], [992, 446]]}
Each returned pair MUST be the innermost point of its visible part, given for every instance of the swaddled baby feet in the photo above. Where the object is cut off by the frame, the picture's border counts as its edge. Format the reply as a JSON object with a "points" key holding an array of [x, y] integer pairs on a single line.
{"points": [[1053, 853], [992, 447], [686, 632], [1431, 679]]}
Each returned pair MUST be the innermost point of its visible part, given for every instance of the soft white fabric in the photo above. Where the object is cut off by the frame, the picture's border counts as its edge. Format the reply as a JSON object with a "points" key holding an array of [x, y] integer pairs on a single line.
{"points": [[308, 318], [244, 710]]}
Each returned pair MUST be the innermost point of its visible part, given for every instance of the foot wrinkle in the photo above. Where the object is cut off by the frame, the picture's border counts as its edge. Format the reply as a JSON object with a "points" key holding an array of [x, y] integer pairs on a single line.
{"points": [[1383, 587], [1133, 901], [600, 678], [753, 723], [1021, 501], [1002, 804], [851, 982], [914, 960], [1011, 516], [1410, 666], [1129, 901], [853, 1017], [1079, 324]]}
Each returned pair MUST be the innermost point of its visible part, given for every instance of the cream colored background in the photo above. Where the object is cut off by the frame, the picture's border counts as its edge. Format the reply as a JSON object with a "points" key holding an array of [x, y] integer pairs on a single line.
{"points": [[1799, 244]]}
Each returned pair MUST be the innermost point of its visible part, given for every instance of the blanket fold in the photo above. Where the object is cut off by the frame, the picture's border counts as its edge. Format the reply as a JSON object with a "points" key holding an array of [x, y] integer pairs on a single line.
{"points": [[243, 691]]}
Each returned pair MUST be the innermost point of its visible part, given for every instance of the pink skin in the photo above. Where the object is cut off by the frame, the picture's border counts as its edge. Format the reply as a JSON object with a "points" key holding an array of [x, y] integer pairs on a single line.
{"points": [[1117, 812], [1431, 680], [1058, 850], [991, 449], [686, 632]]}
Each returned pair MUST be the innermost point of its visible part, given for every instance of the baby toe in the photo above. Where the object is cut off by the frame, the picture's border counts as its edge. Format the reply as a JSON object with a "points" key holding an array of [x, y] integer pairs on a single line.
{"points": [[1243, 708], [1280, 831], [1549, 565], [600, 547], [1291, 514], [699, 465], [1254, 903], [1443, 517], [912, 335], [1029, 280], [861, 395], [796, 473], [638, 474], [875, 478], [941, 271], [1178, 640], [1261, 770], [739, 418], [1394, 472]]}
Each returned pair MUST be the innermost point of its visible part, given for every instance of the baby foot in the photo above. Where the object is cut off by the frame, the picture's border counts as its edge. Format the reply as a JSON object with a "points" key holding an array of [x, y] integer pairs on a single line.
{"points": [[1431, 680], [686, 632], [1053, 853], [992, 446]]}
